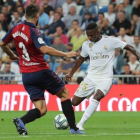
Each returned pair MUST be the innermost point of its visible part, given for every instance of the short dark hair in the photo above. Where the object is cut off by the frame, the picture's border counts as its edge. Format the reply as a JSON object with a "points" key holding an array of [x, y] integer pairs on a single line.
{"points": [[75, 21], [91, 25], [127, 65], [58, 13], [101, 13], [31, 10], [70, 44]]}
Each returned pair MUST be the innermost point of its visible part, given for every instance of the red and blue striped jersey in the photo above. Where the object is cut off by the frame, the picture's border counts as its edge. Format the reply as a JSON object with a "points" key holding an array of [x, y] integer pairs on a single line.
{"points": [[28, 40]]}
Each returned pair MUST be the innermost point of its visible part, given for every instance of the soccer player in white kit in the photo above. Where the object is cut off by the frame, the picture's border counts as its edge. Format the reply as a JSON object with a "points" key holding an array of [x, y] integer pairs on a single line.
{"points": [[101, 50]]}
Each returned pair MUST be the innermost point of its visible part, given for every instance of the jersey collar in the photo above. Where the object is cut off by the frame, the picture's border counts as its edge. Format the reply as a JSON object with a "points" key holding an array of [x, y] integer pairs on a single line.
{"points": [[29, 23]]}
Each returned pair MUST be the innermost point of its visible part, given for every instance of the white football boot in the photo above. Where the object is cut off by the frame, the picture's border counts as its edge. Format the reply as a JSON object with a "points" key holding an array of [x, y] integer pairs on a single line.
{"points": [[80, 126]]}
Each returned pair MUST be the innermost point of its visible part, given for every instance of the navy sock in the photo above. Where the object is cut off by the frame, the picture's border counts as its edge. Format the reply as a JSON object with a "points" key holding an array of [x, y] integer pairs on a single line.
{"points": [[31, 115], [69, 113]]}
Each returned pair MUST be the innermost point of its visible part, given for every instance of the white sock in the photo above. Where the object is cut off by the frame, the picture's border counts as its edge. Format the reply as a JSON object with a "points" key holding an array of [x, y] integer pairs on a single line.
{"points": [[89, 111]]}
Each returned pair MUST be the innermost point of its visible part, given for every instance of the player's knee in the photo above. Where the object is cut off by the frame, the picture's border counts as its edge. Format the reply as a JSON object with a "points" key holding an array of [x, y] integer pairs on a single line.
{"points": [[99, 95], [43, 111], [64, 94]]}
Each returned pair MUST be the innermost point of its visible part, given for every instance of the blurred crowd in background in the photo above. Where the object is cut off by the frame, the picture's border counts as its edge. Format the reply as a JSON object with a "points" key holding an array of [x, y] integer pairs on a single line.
{"points": [[62, 24]]}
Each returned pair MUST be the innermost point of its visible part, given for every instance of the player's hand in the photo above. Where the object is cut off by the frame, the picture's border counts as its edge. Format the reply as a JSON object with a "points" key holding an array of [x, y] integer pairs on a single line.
{"points": [[68, 77], [13, 57], [71, 54]]}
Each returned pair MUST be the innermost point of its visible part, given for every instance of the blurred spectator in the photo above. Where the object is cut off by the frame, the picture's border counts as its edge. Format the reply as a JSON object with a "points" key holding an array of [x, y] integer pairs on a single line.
{"points": [[47, 7], [128, 7], [87, 20], [3, 22], [123, 37], [66, 65], [80, 2], [38, 2], [126, 54], [73, 31], [136, 9], [121, 8], [43, 19], [100, 20], [19, 3], [60, 3], [135, 28], [21, 12], [0, 65], [136, 43], [77, 77], [2, 32], [7, 79], [127, 80], [69, 47], [59, 32], [14, 67], [51, 17], [64, 38], [59, 70], [102, 2], [58, 46], [118, 61], [10, 5], [106, 29], [66, 6], [70, 17], [16, 19], [53, 3], [89, 7], [60, 10], [8, 18], [133, 62], [110, 15], [78, 40], [56, 23], [1, 3], [121, 22]]}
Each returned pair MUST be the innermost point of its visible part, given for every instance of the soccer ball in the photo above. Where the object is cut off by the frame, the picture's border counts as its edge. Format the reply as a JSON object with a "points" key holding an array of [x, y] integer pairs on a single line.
{"points": [[60, 122]]}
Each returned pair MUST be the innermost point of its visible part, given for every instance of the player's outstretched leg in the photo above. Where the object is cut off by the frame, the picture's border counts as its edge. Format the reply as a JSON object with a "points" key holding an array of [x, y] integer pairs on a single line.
{"points": [[90, 109], [68, 111], [88, 112], [30, 116]]}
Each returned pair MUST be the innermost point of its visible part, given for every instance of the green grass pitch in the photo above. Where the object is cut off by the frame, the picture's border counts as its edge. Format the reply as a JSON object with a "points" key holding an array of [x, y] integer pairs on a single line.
{"points": [[101, 126]]}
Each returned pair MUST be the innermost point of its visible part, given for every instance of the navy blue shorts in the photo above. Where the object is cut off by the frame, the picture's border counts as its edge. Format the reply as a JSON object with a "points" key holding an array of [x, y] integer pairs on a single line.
{"points": [[37, 82]]}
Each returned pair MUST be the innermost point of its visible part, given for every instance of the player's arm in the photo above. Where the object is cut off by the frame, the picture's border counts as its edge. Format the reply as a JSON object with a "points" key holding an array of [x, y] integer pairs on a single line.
{"points": [[8, 51], [77, 64], [51, 51], [131, 49]]}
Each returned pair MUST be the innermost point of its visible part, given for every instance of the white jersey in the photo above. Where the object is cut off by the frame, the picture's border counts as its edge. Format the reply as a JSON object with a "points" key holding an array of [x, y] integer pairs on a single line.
{"points": [[102, 54]]}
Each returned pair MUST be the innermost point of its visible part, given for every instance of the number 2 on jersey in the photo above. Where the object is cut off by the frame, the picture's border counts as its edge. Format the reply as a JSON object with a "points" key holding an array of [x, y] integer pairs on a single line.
{"points": [[25, 53]]}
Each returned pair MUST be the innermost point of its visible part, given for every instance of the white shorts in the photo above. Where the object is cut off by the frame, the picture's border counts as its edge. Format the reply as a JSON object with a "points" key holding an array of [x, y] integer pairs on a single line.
{"points": [[89, 86]]}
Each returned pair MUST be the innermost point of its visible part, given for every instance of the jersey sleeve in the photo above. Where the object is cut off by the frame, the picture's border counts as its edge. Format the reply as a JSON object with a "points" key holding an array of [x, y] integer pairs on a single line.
{"points": [[84, 51], [118, 44], [37, 38], [8, 37]]}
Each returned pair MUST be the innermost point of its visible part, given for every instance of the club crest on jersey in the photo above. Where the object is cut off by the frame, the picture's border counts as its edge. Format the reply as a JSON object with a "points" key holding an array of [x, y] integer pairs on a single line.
{"points": [[90, 45], [105, 47], [40, 40]]}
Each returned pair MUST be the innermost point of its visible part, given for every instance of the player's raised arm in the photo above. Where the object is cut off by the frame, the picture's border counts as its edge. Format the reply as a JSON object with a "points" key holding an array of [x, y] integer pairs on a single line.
{"points": [[77, 64], [51, 51], [131, 49]]}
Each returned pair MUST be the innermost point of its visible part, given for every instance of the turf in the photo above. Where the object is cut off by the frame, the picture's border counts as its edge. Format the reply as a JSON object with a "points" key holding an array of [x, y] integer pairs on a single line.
{"points": [[101, 126]]}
